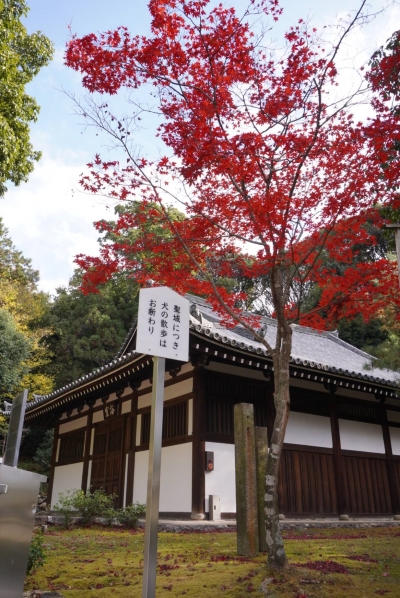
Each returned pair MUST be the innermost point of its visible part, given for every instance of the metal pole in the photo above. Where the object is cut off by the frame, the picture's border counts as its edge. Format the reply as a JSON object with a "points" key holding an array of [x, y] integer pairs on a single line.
{"points": [[15, 429], [153, 483]]}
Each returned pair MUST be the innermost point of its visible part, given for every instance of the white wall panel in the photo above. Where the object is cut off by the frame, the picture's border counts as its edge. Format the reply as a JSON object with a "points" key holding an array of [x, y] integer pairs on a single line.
{"points": [[176, 478], [98, 416], [311, 430], [74, 425], [126, 407], [66, 477], [170, 392], [221, 481], [359, 436], [395, 439]]}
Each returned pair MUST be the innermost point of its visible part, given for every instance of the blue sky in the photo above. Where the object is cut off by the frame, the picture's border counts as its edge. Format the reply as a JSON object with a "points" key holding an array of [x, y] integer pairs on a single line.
{"points": [[49, 219]]}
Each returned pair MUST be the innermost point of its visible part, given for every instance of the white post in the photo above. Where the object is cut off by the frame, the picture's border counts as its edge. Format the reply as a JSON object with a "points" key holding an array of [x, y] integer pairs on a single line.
{"points": [[153, 483]]}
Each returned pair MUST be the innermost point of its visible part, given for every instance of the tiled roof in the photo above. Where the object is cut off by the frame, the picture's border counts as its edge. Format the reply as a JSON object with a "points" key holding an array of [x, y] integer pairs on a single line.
{"points": [[312, 349], [319, 350]]}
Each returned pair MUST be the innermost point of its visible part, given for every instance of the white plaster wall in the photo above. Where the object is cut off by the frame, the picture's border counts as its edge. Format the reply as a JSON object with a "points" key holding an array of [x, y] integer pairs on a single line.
{"points": [[89, 478], [393, 416], [66, 477], [311, 430], [98, 416], [359, 436], [170, 392], [126, 407], [138, 426], [176, 478], [395, 439], [221, 481], [74, 425], [144, 401], [190, 417], [140, 477]]}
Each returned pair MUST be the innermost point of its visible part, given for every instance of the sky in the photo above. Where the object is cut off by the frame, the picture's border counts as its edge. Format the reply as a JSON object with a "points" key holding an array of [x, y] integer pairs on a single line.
{"points": [[49, 219]]}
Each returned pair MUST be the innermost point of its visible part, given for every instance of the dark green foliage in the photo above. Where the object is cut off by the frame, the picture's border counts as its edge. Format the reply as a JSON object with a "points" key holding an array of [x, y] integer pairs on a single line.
{"points": [[362, 334], [74, 503], [37, 556], [14, 350], [129, 515], [88, 330], [44, 451], [22, 57]]}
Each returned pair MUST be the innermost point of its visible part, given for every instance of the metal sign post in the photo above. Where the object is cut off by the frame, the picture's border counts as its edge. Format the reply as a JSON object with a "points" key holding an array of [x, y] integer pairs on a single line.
{"points": [[15, 429], [163, 331]]}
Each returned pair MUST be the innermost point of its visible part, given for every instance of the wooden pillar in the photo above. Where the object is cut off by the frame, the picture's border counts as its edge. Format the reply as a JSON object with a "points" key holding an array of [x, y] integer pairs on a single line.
{"points": [[86, 450], [246, 480], [53, 461], [343, 507], [390, 464], [198, 443], [131, 442]]}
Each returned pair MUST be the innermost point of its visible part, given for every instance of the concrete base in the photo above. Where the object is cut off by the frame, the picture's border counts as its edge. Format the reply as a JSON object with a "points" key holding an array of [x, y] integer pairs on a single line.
{"points": [[344, 517], [198, 516], [396, 517]]}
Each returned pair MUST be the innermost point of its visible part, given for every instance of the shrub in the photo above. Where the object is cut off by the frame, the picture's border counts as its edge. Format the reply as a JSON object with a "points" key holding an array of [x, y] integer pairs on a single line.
{"points": [[129, 515], [37, 555], [110, 514], [88, 506], [92, 504]]}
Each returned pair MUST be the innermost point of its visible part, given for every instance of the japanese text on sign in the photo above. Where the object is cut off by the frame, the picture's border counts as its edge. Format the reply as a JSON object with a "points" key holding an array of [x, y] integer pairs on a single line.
{"points": [[163, 323]]}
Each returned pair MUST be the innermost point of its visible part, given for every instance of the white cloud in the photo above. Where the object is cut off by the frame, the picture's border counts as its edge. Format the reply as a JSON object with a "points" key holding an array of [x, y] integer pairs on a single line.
{"points": [[51, 221]]}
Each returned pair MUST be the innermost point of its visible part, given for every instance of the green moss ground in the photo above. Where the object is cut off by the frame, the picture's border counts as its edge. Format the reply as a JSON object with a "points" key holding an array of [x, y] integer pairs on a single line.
{"points": [[104, 562]]}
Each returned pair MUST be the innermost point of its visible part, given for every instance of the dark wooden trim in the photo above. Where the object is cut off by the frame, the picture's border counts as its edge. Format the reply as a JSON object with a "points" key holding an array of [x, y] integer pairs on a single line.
{"points": [[347, 453], [168, 442], [308, 449], [393, 424], [390, 465], [198, 448], [170, 382], [169, 402], [69, 462], [86, 452], [53, 463], [220, 438], [74, 417], [72, 432], [341, 494], [131, 449]]}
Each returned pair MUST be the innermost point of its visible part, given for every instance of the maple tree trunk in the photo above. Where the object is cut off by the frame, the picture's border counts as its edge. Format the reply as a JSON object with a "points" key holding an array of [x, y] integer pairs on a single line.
{"points": [[276, 551]]}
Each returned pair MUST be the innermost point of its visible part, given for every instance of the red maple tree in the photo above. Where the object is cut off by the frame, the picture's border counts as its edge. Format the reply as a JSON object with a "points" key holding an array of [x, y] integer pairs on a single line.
{"points": [[276, 177]]}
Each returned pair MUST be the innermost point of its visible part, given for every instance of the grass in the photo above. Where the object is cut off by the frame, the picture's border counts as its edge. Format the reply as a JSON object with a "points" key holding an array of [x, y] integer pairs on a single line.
{"points": [[334, 563]]}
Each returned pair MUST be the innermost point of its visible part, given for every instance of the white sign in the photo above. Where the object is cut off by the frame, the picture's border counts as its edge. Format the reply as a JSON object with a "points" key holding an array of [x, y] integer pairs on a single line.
{"points": [[163, 324]]}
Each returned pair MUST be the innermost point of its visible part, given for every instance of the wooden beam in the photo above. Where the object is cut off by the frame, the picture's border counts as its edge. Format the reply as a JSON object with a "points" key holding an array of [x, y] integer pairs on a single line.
{"points": [[131, 446], [390, 464], [343, 507], [86, 450], [53, 463], [198, 444]]}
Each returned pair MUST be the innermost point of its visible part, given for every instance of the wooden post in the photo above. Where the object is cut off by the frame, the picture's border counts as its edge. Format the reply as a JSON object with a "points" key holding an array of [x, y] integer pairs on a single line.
{"points": [[86, 450], [131, 443], [261, 444], [198, 444], [390, 464], [246, 481], [53, 461], [337, 455]]}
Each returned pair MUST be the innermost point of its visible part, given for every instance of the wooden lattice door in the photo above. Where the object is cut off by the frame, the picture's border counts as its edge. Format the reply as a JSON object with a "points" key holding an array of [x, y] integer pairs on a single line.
{"points": [[107, 465]]}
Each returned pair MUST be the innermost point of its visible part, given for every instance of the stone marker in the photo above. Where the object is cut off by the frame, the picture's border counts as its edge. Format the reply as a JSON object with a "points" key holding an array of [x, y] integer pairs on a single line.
{"points": [[261, 444], [246, 482]]}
